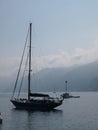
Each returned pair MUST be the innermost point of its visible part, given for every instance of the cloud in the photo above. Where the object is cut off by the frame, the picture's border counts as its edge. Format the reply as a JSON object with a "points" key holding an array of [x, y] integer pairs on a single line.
{"points": [[63, 59], [8, 66], [83, 56]]}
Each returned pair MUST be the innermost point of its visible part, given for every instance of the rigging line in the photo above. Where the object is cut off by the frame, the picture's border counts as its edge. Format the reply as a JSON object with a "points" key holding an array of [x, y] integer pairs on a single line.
{"points": [[23, 76], [20, 66]]}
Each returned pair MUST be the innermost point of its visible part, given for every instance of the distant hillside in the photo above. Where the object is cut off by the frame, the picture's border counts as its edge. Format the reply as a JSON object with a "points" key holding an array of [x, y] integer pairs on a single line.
{"points": [[80, 78]]}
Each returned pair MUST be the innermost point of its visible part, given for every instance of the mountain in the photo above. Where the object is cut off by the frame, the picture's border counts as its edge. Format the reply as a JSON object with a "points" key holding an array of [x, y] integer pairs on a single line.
{"points": [[80, 78]]}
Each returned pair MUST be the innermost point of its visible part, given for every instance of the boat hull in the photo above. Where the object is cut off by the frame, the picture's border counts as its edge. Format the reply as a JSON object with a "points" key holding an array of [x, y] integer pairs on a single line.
{"points": [[36, 105]]}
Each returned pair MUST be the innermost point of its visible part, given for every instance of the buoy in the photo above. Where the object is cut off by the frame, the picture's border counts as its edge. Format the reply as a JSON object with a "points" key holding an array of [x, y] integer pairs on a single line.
{"points": [[0, 118]]}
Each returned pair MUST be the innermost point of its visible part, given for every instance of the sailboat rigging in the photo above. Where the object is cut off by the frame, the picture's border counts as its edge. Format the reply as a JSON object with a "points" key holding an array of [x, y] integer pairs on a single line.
{"points": [[35, 101]]}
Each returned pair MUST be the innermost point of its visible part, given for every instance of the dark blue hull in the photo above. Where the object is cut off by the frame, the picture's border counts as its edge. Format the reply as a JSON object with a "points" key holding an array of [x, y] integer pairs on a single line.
{"points": [[36, 105]]}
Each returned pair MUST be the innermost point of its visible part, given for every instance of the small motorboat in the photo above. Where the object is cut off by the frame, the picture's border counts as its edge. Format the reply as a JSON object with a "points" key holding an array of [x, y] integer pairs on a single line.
{"points": [[67, 95]]}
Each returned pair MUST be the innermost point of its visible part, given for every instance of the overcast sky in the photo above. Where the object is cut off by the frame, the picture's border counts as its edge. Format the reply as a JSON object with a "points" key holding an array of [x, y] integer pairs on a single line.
{"points": [[66, 31]]}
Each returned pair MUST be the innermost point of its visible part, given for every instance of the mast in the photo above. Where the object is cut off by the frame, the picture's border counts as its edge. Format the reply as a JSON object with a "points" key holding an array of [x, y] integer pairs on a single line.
{"points": [[66, 85], [29, 75]]}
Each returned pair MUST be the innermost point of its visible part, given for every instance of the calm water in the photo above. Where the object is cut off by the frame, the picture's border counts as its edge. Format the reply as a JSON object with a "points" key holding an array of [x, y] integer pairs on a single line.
{"points": [[74, 114]]}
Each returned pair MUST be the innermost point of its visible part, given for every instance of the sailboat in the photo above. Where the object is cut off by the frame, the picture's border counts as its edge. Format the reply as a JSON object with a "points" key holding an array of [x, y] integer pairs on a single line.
{"points": [[33, 101]]}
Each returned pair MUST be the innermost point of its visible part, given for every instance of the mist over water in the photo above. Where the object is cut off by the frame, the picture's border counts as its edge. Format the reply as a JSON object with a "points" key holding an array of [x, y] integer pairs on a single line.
{"points": [[75, 114]]}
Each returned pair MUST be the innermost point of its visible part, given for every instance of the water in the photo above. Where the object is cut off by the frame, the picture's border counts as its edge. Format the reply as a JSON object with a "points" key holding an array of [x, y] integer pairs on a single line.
{"points": [[75, 114]]}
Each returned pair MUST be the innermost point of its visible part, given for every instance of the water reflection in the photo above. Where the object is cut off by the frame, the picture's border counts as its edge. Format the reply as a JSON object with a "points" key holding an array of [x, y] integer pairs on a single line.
{"points": [[0, 126], [35, 120], [41, 120]]}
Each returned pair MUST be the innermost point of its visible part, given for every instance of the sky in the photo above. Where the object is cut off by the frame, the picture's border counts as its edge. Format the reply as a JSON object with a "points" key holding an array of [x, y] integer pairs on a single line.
{"points": [[64, 31]]}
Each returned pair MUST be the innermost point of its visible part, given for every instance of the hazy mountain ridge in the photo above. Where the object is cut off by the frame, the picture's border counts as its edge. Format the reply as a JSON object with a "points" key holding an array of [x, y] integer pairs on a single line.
{"points": [[80, 78]]}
